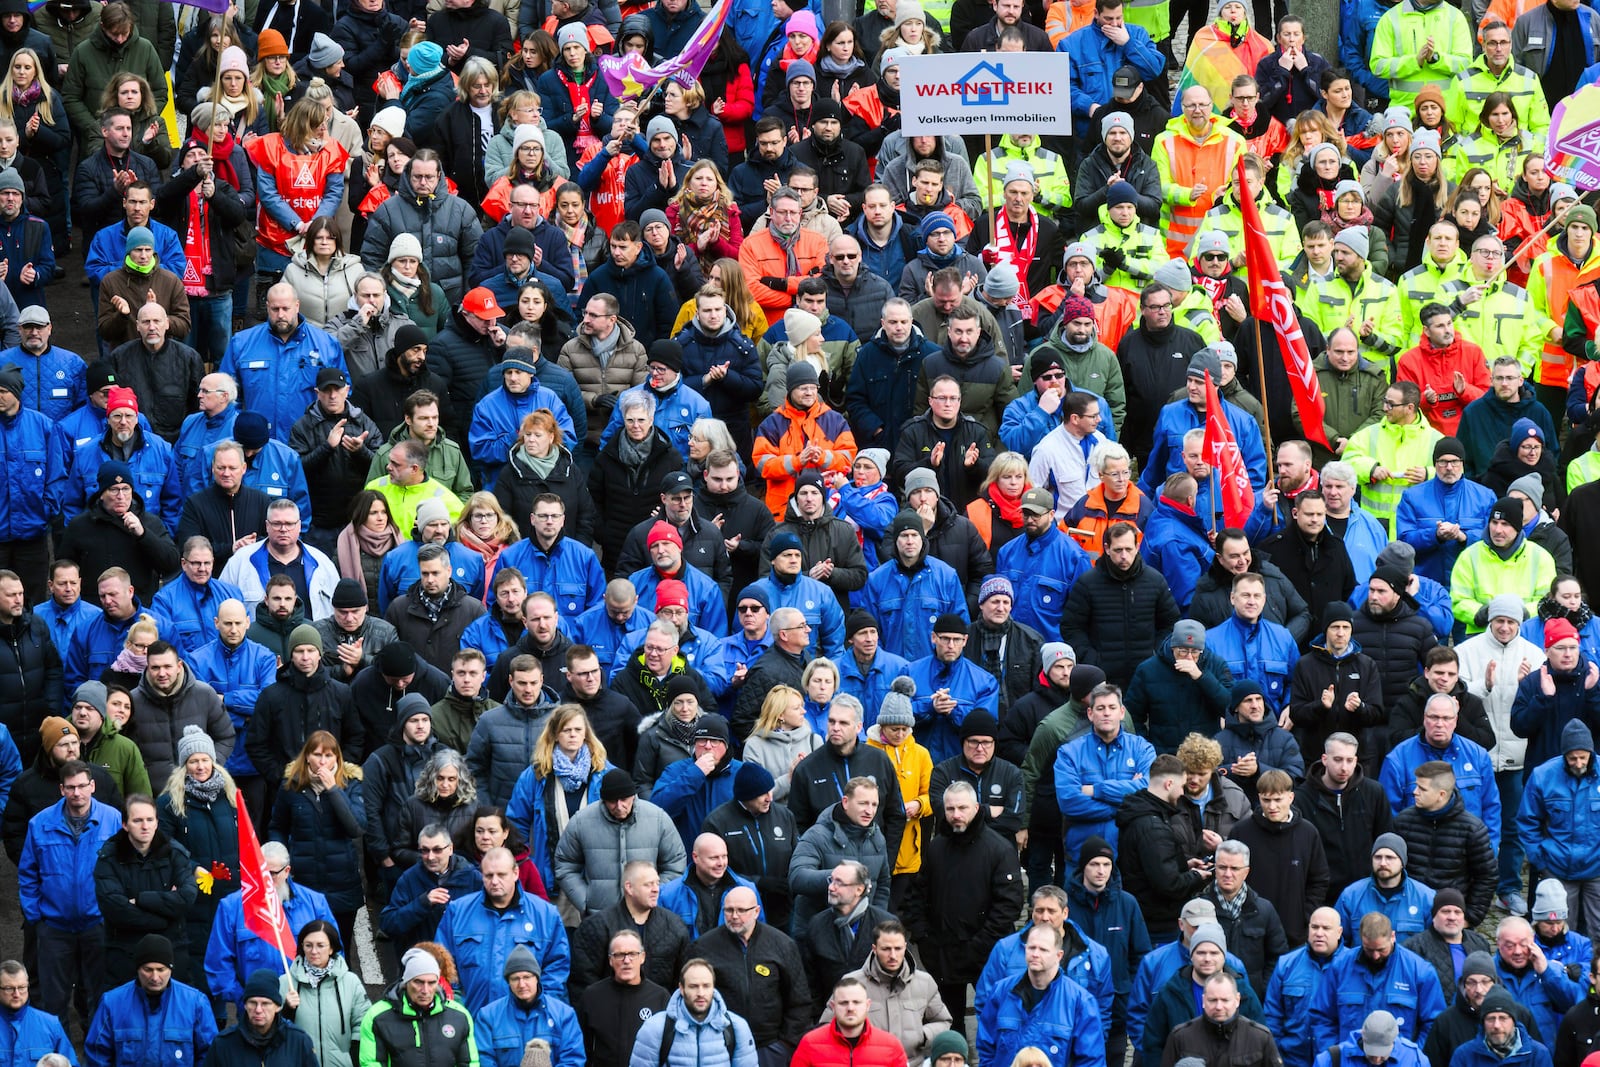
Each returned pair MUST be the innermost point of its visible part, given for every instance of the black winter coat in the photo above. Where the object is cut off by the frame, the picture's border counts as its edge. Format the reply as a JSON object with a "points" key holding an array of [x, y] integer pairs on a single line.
{"points": [[774, 667], [461, 145], [285, 1046], [1405, 716], [1094, 175], [1022, 718], [291, 710], [1348, 822], [759, 848], [625, 496], [1154, 363], [1579, 1034], [965, 898], [1295, 879], [1430, 946], [167, 381], [1153, 862], [744, 515], [666, 946], [463, 356], [1255, 934], [1451, 849], [96, 541], [764, 981], [816, 780], [841, 170], [210, 834], [30, 680], [225, 210], [1285, 606], [323, 832], [435, 640], [221, 519], [552, 660], [833, 950], [371, 41], [389, 782], [821, 538], [382, 394], [998, 785], [517, 485], [1239, 1042], [1355, 672], [1397, 641], [486, 31], [1018, 663], [139, 895], [333, 475], [1319, 570], [957, 481], [1116, 620]]}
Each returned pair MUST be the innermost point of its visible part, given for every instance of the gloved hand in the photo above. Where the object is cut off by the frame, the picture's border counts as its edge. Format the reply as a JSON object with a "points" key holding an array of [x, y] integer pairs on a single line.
{"points": [[990, 255], [777, 285], [1481, 619], [1113, 259]]}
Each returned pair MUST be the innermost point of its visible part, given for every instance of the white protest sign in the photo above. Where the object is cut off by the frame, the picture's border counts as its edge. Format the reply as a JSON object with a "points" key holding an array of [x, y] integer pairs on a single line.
{"points": [[985, 92]]}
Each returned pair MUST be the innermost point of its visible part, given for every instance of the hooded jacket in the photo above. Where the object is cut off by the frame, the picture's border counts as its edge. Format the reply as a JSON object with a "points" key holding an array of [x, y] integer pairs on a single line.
{"points": [[1169, 706], [293, 708], [1555, 828], [1152, 859], [159, 720]]}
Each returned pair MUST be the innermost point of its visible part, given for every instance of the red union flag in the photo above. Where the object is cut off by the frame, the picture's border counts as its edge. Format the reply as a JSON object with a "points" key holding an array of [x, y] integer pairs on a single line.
{"points": [[1270, 302], [263, 911], [1221, 450]]}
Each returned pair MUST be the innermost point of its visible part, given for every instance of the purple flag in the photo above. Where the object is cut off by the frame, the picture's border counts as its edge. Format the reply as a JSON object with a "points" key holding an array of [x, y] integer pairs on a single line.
{"points": [[630, 77]]}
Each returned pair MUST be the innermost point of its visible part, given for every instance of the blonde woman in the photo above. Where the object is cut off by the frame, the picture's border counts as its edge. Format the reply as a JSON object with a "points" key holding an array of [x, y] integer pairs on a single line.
{"points": [[199, 809], [1311, 128], [321, 816], [782, 737], [997, 512], [487, 529], [563, 778], [273, 77], [727, 275], [40, 114], [128, 668], [704, 216]]}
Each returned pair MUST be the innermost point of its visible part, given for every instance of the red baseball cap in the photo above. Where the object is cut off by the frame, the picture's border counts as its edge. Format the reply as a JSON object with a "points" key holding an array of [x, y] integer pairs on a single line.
{"points": [[480, 302]]}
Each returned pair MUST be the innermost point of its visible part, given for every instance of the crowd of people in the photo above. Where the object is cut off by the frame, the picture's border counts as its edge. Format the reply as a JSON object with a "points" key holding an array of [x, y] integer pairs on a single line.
{"points": [[707, 580]]}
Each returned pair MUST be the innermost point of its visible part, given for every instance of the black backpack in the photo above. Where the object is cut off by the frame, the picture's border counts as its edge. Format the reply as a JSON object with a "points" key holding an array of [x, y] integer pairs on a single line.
{"points": [[669, 1034]]}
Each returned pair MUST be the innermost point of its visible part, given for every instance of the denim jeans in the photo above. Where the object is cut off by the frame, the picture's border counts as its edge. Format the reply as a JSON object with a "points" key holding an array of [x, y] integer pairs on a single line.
{"points": [[1510, 878], [211, 323]]}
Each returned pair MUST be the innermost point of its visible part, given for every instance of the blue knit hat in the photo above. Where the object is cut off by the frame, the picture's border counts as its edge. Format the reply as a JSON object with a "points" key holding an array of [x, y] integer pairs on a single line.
{"points": [[425, 57], [936, 220]]}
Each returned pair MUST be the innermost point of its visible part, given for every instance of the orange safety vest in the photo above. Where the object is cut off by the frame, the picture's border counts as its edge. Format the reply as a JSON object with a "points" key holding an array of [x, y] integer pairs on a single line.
{"points": [[1188, 162], [1090, 533], [1113, 317], [1561, 278], [300, 181]]}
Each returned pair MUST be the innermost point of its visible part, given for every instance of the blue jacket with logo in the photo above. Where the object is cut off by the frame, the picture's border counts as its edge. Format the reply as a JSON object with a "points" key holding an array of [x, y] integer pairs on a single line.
{"points": [[1423, 507], [1095, 59], [239, 674], [1547, 995], [1090, 968], [906, 603], [1476, 1053], [1558, 821], [1408, 909], [1024, 423], [700, 648], [1406, 986], [1295, 980], [1115, 769], [155, 478], [196, 438], [1263, 652], [234, 950], [35, 456], [1065, 1024], [1406, 1053], [53, 383], [55, 873], [970, 685], [278, 378], [480, 938], [1155, 971], [678, 898], [127, 1030], [870, 688], [503, 1029], [190, 609], [1474, 776], [276, 471], [708, 608], [95, 645], [1042, 571], [399, 571], [675, 413], [597, 629], [1177, 419], [569, 571], [29, 1034], [816, 602], [497, 426]]}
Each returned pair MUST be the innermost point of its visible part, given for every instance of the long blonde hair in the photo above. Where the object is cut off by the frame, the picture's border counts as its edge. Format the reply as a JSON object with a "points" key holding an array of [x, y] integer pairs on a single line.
{"points": [[544, 750], [47, 103], [773, 707], [736, 291], [505, 530], [1330, 135], [177, 799]]}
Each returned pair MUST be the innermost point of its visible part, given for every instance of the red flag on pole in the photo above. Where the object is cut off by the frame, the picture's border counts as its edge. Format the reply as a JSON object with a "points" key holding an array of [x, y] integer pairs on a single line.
{"points": [[263, 911], [1270, 302], [1221, 450]]}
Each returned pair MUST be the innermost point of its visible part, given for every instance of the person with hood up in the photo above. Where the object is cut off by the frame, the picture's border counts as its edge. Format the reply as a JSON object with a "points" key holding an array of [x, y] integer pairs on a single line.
{"points": [[389, 778], [1335, 687], [1254, 743], [1503, 562], [1556, 835]]}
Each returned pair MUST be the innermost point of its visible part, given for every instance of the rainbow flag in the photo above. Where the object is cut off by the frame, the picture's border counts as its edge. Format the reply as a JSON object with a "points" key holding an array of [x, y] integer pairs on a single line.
{"points": [[630, 77], [1574, 139]]}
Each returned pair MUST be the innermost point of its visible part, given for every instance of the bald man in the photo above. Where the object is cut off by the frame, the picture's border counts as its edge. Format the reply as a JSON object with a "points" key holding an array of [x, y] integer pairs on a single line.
{"points": [[778, 1006], [696, 898], [276, 363], [239, 669], [854, 295], [1286, 1005]]}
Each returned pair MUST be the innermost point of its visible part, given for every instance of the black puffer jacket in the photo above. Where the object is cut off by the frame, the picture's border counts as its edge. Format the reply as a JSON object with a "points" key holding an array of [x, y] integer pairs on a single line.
{"points": [[30, 680], [1153, 860], [1296, 879], [139, 895], [666, 946], [159, 719], [517, 485], [323, 832], [965, 898], [1319, 570], [1355, 672], [1451, 848], [1117, 619], [1433, 948], [1396, 640], [291, 710], [389, 780], [1348, 822], [625, 495], [1285, 606]]}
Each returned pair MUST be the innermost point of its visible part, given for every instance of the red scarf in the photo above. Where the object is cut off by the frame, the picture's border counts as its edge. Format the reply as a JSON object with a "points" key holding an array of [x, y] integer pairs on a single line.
{"points": [[1009, 507], [1020, 255], [197, 246], [1185, 509], [222, 157], [1216, 288]]}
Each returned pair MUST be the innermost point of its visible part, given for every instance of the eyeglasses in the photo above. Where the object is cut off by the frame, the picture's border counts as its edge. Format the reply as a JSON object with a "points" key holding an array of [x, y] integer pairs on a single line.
{"points": [[1159, 307], [628, 955], [13, 990], [279, 871], [432, 851], [802, 626], [739, 911], [281, 525], [946, 399], [979, 742]]}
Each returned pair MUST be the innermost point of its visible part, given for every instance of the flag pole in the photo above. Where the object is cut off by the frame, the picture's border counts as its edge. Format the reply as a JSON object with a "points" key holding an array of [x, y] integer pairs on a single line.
{"points": [[1214, 492], [988, 166], [1261, 380]]}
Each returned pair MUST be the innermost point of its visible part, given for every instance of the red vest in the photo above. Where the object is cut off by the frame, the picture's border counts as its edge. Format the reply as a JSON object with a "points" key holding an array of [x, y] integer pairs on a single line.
{"points": [[606, 204], [300, 179]]}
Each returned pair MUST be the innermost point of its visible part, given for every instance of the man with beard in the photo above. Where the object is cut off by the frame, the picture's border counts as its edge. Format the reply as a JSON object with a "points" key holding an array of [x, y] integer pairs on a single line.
{"points": [[1505, 561], [1462, 1022], [469, 346], [382, 394], [966, 896], [276, 363], [887, 242], [1153, 356], [1314, 560], [125, 440], [841, 164]]}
